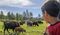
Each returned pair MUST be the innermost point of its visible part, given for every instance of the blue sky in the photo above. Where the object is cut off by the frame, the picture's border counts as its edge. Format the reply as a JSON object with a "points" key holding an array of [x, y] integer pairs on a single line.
{"points": [[20, 6]]}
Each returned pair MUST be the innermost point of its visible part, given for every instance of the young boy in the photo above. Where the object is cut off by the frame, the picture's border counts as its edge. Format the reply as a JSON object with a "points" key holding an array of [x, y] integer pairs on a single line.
{"points": [[51, 11]]}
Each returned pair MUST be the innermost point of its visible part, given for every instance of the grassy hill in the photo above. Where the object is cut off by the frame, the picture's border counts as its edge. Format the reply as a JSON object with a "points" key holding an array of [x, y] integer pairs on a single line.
{"points": [[34, 30]]}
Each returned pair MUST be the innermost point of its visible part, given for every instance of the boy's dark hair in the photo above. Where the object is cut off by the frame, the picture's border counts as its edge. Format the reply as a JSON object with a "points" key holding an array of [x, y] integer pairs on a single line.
{"points": [[52, 8]]}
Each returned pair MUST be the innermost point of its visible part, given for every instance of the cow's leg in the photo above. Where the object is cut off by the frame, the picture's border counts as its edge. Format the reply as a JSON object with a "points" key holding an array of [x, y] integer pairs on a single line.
{"points": [[8, 31], [13, 30], [4, 31], [16, 33], [34, 25]]}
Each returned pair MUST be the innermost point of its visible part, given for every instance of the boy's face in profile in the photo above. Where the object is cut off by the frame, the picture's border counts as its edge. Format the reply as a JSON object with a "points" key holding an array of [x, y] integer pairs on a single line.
{"points": [[50, 11], [46, 17]]}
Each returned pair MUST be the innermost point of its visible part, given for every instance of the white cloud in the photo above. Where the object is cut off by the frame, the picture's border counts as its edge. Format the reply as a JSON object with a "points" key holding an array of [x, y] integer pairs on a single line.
{"points": [[16, 2]]}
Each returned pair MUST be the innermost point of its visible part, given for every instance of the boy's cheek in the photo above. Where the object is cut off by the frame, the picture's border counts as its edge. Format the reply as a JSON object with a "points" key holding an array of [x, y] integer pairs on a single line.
{"points": [[43, 16], [45, 19]]}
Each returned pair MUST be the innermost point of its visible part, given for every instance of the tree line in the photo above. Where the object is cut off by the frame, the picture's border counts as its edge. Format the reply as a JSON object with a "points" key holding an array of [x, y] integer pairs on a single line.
{"points": [[11, 16]]}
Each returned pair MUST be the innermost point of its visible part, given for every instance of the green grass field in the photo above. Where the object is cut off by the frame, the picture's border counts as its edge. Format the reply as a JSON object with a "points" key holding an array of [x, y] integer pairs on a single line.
{"points": [[34, 30]]}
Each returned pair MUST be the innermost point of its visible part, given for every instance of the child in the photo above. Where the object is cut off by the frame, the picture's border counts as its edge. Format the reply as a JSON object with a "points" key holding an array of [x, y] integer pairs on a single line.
{"points": [[50, 13]]}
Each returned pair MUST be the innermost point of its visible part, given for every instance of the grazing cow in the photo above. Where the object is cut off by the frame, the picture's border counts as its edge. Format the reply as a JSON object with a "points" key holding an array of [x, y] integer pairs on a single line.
{"points": [[19, 29], [22, 22], [35, 23], [10, 25], [29, 23], [40, 22]]}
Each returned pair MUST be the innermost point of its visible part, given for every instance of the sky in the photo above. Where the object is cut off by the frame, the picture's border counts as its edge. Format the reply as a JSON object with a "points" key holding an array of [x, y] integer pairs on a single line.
{"points": [[19, 6]]}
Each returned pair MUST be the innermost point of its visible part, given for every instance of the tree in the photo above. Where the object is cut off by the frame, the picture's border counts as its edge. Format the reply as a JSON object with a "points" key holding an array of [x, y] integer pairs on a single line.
{"points": [[1, 15], [5, 17], [39, 16], [17, 16], [24, 15], [12, 16], [31, 14], [8, 16], [20, 17], [27, 14]]}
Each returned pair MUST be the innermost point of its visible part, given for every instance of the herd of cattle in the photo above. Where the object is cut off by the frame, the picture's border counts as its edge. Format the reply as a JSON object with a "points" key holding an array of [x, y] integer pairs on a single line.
{"points": [[15, 26]]}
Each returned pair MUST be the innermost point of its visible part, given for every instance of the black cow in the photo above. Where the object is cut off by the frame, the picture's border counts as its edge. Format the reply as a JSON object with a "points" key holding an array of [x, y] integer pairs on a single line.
{"points": [[32, 23], [29, 23], [40, 22], [22, 22], [35, 23], [10, 25], [19, 29]]}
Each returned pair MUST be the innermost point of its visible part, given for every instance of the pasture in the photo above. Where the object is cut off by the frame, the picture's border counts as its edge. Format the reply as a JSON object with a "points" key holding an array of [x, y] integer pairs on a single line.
{"points": [[34, 30]]}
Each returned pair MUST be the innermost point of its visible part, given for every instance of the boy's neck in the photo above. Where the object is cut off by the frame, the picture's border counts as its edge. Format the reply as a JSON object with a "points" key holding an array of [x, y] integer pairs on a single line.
{"points": [[53, 21]]}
